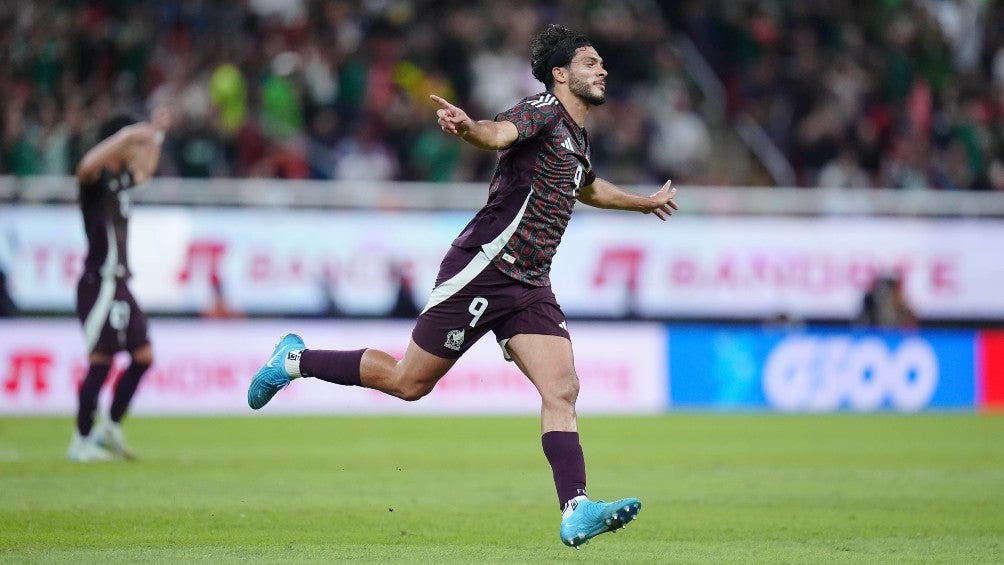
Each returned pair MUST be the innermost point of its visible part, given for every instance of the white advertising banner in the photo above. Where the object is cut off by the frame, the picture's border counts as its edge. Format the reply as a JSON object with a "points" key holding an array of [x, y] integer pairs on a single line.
{"points": [[204, 367], [609, 263], [762, 267]]}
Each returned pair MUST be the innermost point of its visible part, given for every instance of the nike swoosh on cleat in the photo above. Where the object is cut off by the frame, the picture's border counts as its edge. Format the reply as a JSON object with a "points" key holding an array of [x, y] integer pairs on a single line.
{"points": [[271, 362]]}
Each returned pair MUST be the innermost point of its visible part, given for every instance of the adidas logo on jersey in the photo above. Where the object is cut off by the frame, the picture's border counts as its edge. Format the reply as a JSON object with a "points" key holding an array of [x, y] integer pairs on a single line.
{"points": [[544, 100], [567, 144]]}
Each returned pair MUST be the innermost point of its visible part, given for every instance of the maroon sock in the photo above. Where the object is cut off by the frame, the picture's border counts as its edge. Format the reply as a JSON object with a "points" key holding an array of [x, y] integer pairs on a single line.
{"points": [[87, 397], [564, 453], [339, 367], [125, 389]]}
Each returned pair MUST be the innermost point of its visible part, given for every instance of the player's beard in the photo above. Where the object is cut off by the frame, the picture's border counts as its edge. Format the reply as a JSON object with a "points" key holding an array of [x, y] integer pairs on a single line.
{"points": [[583, 90]]}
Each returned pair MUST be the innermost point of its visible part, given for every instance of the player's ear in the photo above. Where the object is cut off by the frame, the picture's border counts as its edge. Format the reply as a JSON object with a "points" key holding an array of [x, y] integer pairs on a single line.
{"points": [[560, 74]]}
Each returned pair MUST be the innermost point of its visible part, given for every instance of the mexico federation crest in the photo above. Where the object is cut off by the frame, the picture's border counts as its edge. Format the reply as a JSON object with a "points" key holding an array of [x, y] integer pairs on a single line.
{"points": [[454, 340]]}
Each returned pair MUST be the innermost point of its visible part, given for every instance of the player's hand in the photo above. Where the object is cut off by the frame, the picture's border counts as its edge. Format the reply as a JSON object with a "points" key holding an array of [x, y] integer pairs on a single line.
{"points": [[662, 204], [452, 120], [163, 118]]}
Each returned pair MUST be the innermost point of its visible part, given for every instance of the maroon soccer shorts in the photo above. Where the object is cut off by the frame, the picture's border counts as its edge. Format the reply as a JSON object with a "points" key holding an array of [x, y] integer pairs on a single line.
{"points": [[472, 297], [112, 319]]}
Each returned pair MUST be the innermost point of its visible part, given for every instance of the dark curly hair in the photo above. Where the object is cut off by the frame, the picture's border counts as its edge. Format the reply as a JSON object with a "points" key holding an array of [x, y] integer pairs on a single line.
{"points": [[553, 47]]}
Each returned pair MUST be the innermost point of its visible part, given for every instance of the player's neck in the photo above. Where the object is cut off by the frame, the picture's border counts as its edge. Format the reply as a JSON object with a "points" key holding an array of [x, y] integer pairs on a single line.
{"points": [[574, 105]]}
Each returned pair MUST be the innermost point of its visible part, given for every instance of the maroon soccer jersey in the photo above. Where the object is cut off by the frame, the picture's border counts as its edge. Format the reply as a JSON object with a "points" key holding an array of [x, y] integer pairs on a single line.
{"points": [[105, 205], [533, 190]]}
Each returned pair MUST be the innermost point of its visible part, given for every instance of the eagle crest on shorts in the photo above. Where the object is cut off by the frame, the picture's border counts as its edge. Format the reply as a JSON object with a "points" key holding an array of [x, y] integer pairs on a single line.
{"points": [[454, 340]]}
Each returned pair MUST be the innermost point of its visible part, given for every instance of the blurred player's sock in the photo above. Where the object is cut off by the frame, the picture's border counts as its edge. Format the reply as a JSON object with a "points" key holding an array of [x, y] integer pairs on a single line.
{"points": [[589, 519], [277, 372], [125, 388], [109, 435], [84, 449], [88, 396]]}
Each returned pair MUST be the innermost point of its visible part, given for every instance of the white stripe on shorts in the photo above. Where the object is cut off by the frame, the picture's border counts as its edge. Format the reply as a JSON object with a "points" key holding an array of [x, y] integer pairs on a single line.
{"points": [[458, 281], [488, 251], [98, 315]]}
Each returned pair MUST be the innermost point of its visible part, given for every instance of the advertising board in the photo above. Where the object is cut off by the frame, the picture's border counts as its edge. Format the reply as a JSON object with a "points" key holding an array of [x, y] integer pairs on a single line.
{"points": [[820, 370], [609, 265], [204, 367]]}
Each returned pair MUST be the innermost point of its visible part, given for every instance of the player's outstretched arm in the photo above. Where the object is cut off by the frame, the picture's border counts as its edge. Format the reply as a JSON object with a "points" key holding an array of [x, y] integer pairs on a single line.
{"points": [[483, 134], [137, 145], [110, 152], [605, 194], [144, 154]]}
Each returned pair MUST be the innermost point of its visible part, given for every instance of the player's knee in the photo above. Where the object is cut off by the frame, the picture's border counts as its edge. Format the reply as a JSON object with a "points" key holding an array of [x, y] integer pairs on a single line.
{"points": [[564, 391], [143, 356], [413, 391], [99, 359]]}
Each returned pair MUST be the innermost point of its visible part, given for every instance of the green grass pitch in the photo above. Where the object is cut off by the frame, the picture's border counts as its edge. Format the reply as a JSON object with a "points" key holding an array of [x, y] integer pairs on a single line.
{"points": [[715, 488]]}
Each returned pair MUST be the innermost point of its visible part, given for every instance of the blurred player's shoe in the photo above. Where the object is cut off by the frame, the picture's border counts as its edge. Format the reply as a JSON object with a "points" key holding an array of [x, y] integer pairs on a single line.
{"points": [[589, 519], [273, 377], [86, 450], [109, 435]]}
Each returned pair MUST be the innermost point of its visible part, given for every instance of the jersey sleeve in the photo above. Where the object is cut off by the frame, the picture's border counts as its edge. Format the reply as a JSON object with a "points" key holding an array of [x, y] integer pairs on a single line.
{"points": [[531, 116]]}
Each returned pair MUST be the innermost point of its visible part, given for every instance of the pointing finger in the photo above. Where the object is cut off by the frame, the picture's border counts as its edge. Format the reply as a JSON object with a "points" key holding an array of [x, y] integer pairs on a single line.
{"points": [[440, 101]]}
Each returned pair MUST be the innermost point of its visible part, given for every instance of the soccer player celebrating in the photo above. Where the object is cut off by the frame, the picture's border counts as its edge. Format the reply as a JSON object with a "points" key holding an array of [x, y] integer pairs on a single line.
{"points": [[496, 274], [112, 320]]}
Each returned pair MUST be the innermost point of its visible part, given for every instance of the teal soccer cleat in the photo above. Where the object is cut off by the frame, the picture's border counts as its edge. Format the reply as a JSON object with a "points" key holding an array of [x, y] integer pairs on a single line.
{"points": [[590, 519], [272, 377]]}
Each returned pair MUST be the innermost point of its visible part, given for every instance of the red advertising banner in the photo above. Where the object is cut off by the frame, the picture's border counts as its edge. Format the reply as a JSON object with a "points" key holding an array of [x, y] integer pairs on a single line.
{"points": [[990, 371]]}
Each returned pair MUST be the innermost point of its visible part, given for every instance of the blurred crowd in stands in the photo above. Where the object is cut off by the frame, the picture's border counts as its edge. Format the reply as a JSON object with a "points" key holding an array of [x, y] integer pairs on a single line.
{"points": [[852, 93]]}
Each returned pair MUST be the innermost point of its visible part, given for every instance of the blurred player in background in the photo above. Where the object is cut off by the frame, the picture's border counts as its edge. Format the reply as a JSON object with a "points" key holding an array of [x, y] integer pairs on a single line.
{"points": [[496, 275], [126, 157], [884, 305]]}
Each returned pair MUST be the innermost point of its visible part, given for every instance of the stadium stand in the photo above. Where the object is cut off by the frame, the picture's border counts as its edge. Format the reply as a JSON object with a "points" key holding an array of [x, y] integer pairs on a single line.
{"points": [[900, 94]]}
